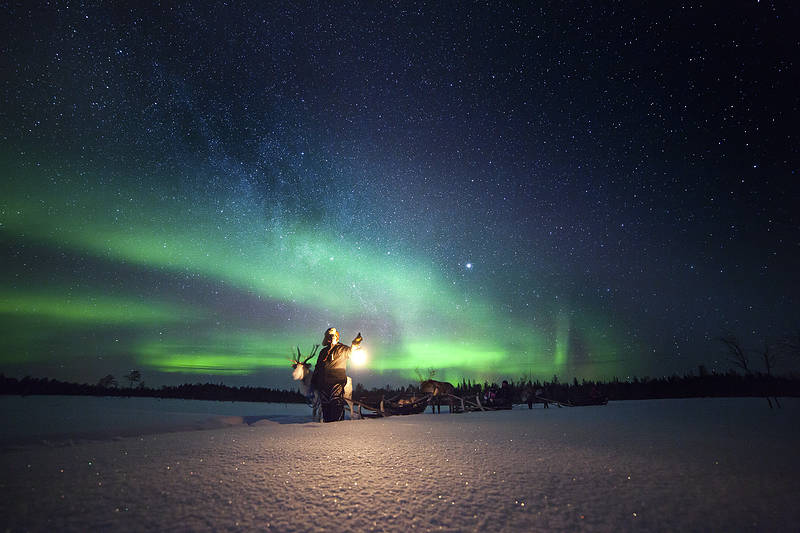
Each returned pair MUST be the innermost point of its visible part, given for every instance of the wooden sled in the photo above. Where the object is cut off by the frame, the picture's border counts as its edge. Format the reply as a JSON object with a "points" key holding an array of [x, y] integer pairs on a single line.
{"points": [[579, 402], [575, 402], [469, 403], [403, 404]]}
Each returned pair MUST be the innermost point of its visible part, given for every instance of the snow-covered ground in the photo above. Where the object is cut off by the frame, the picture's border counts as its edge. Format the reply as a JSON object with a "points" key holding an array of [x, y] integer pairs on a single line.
{"points": [[660, 465], [58, 419]]}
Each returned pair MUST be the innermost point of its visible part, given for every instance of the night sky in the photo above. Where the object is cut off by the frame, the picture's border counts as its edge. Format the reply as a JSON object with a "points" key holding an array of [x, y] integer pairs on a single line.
{"points": [[489, 190]]}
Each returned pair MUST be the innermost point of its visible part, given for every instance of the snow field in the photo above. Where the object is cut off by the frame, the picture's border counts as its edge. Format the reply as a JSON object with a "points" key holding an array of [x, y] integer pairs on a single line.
{"points": [[660, 465]]}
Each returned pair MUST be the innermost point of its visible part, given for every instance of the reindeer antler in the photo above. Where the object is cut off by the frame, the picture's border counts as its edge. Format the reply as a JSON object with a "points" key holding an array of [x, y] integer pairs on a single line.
{"points": [[313, 353]]}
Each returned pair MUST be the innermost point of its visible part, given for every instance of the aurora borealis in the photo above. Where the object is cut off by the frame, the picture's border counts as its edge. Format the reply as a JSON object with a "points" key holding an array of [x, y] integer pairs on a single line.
{"points": [[489, 191]]}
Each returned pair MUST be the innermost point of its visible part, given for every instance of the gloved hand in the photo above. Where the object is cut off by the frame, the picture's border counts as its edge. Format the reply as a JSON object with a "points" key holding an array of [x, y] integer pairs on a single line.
{"points": [[358, 339]]}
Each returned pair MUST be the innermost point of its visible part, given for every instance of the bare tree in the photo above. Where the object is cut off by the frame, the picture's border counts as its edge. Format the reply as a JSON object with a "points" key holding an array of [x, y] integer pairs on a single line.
{"points": [[769, 355], [736, 353]]}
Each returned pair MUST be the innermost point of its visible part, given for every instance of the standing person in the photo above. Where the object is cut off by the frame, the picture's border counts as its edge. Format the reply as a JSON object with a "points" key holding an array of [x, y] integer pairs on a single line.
{"points": [[539, 397], [330, 374], [503, 399], [529, 395]]}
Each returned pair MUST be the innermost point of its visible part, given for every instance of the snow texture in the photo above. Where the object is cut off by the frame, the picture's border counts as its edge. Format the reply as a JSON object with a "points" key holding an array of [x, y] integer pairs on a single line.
{"points": [[659, 465]]}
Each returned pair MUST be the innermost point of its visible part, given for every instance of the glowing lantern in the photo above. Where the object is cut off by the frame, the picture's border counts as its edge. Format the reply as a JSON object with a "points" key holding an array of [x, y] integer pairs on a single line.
{"points": [[358, 356]]}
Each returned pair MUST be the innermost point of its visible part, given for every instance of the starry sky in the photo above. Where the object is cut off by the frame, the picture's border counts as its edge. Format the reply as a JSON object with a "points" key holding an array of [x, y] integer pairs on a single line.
{"points": [[491, 190]]}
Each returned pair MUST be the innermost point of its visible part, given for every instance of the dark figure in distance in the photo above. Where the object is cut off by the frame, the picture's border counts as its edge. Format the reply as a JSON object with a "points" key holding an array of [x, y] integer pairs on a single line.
{"points": [[529, 395], [539, 397], [502, 399]]}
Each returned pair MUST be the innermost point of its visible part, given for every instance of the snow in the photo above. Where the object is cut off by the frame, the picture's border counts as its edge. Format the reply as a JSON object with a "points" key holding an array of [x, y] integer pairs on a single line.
{"points": [[59, 418], [657, 465]]}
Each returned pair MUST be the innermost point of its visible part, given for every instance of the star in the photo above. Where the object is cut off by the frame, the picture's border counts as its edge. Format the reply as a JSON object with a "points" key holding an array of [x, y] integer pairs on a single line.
{"points": [[243, 208]]}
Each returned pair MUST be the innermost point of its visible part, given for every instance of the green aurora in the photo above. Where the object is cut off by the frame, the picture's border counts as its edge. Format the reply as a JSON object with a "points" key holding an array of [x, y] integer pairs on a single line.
{"points": [[413, 318], [194, 192]]}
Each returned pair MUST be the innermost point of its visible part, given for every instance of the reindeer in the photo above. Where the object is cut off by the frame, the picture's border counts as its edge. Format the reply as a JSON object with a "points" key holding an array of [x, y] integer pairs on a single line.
{"points": [[302, 372], [437, 389]]}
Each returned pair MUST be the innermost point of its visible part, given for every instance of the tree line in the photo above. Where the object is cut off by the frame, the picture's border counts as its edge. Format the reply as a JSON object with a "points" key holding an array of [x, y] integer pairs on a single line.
{"points": [[197, 391], [702, 384]]}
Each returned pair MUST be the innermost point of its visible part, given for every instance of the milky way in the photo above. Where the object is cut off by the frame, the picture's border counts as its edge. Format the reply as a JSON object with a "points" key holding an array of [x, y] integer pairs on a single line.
{"points": [[491, 191]]}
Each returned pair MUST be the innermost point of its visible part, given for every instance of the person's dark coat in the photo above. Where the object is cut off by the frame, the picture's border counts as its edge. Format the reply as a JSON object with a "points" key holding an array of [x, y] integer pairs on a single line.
{"points": [[331, 367], [503, 396]]}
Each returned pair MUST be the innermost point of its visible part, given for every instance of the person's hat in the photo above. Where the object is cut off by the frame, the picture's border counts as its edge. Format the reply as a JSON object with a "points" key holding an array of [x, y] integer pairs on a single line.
{"points": [[331, 333]]}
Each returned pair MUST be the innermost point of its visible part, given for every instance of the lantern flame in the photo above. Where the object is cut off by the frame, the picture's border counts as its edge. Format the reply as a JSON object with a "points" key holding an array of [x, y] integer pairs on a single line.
{"points": [[358, 356]]}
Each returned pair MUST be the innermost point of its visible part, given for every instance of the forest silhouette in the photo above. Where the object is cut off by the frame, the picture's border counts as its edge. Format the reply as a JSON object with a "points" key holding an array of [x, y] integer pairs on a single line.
{"points": [[702, 384]]}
